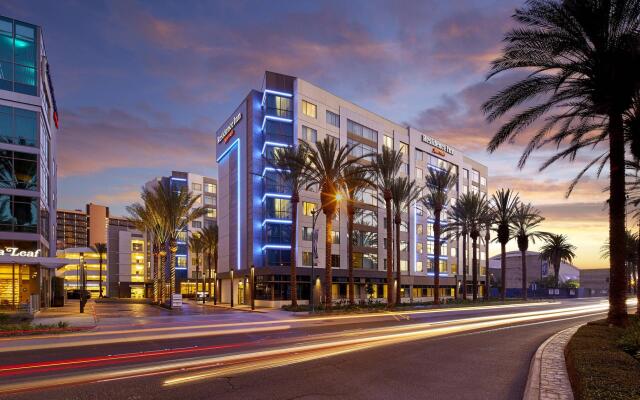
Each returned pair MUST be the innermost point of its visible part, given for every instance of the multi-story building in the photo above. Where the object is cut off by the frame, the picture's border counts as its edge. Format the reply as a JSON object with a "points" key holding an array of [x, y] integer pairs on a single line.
{"points": [[28, 134], [71, 229], [254, 206], [207, 188], [128, 273]]}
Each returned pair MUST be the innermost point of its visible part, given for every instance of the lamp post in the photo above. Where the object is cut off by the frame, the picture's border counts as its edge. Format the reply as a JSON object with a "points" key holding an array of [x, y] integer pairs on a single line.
{"points": [[253, 287], [314, 251], [83, 280]]}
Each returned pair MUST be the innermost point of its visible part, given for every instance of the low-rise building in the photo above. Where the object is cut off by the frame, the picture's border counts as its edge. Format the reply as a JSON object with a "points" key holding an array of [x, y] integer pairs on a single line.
{"points": [[595, 281], [537, 268]]}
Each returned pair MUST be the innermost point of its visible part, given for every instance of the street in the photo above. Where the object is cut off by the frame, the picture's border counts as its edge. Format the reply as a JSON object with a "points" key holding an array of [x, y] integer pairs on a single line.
{"points": [[461, 353]]}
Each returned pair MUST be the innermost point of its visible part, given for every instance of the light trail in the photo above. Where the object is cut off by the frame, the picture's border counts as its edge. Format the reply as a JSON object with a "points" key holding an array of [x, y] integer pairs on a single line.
{"points": [[326, 345]]}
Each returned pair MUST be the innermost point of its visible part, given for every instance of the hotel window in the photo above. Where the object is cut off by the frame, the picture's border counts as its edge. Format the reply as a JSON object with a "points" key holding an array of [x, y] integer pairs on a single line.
{"points": [[430, 266], [210, 187], [419, 155], [307, 233], [211, 213], [404, 265], [307, 208], [279, 106], [443, 249], [430, 247], [196, 224], [404, 226], [196, 186], [365, 217], [404, 168], [465, 174], [403, 149], [475, 176], [209, 200], [309, 109], [454, 268], [454, 251], [429, 229], [419, 229], [419, 248], [18, 126], [182, 237], [362, 131], [18, 55], [419, 173], [181, 261], [388, 142], [404, 245], [335, 261], [335, 237], [443, 266], [307, 258], [483, 181], [419, 266], [361, 150], [278, 208], [19, 214], [333, 119], [365, 238], [309, 134], [367, 196], [465, 189]]}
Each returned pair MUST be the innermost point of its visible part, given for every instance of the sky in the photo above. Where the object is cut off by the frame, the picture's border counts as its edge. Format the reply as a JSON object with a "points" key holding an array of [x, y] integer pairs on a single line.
{"points": [[141, 88]]}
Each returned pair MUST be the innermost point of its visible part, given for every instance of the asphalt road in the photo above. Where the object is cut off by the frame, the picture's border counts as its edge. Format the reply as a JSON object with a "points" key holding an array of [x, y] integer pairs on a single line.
{"points": [[453, 354]]}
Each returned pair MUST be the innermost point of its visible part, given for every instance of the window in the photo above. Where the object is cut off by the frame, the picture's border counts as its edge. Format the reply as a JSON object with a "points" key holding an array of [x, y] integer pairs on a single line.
{"points": [[404, 226], [279, 106], [365, 260], [209, 200], [18, 57], [419, 173], [483, 181], [309, 134], [18, 213], [429, 228], [365, 217], [454, 251], [210, 187], [335, 237], [404, 265], [211, 213], [403, 149], [454, 268], [278, 208], [181, 262], [404, 168], [367, 196], [465, 189], [362, 131], [307, 258], [403, 245], [420, 155], [465, 174], [419, 229], [309, 109], [419, 210], [278, 233], [361, 150], [196, 186], [419, 266], [18, 170], [335, 261], [419, 248], [307, 233], [387, 142], [430, 247], [196, 224], [18, 126], [278, 257], [475, 176], [308, 208], [182, 237], [365, 238], [333, 119], [443, 248]]}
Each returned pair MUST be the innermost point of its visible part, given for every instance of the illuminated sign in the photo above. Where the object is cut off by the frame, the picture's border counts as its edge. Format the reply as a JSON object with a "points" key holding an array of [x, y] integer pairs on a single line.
{"points": [[437, 151], [228, 132], [53, 98], [443, 148], [14, 251]]}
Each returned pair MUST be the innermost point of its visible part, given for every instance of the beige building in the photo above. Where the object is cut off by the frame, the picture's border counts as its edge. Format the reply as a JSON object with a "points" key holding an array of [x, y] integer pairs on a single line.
{"points": [[537, 268], [595, 282]]}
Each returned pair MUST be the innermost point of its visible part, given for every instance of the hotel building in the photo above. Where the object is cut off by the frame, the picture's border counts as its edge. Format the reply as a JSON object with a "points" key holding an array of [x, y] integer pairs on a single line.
{"points": [[28, 134], [254, 210], [207, 188]]}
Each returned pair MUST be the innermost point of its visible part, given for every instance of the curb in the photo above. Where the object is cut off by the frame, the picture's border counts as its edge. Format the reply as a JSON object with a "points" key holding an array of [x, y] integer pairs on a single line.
{"points": [[548, 377]]}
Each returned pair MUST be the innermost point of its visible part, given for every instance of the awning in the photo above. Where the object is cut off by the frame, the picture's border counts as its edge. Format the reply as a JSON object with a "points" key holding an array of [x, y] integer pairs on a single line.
{"points": [[48, 262]]}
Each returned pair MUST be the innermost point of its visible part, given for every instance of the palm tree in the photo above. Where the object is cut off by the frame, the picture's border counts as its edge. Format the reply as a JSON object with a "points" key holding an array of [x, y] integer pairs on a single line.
{"points": [[146, 217], [386, 167], [196, 247], [328, 169], [504, 203], [101, 249], [525, 220], [556, 250], [404, 192], [178, 209], [469, 215], [581, 59], [290, 164], [487, 238], [210, 240], [357, 180], [439, 183]]}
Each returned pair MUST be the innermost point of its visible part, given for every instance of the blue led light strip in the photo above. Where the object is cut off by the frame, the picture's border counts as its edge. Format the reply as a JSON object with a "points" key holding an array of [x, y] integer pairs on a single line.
{"points": [[276, 195], [272, 118], [276, 221], [236, 145], [274, 144], [277, 246]]}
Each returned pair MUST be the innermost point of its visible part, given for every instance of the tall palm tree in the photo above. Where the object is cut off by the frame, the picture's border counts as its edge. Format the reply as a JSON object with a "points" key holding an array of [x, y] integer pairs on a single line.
{"points": [[210, 240], [328, 169], [147, 217], [487, 238], [101, 249], [504, 203], [581, 59], [290, 163], [386, 167], [526, 220], [178, 209], [196, 247], [404, 193], [357, 180], [469, 215], [556, 250], [439, 183]]}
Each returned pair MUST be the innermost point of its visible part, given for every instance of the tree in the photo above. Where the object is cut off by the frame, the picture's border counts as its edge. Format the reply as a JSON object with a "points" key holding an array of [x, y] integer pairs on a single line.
{"points": [[504, 203], [525, 220], [290, 164], [404, 193], [487, 238], [210, 239], [356, 181], [328, 169], [147, 217], [581, 59], [469, 215], [386, 166], [556, 250], [196, 247], [439, 183], [101, 249], [177, 210]]}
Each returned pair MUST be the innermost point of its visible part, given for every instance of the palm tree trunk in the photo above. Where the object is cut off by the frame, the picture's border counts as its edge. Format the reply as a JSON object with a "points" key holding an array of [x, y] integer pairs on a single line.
{"points": [[503, 270], [215, 278], [524, 274], [293, 284], [173, 249], [162, 266], [389, 228], [209, 274], [487, 280], [328, 300], [350, 213], [197, 276], [100, 295], [474, 266], [464, 266], [617, 235], [398, 272], [637, 275], [156, 260], [436, 257], [556, 271]]}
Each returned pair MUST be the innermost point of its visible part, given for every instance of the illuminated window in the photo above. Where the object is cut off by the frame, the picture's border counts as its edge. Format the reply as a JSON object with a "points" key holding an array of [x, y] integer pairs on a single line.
{"points": [[429, 247], [388, 142], [419, 248], [307, 258], [181, 261], [454, 251], [210, 187], [475, 176], [307, 234], [404, 265], [307, 208], [483, 181], [335, 237], [182, 236], [403, 149], [419, 266], [454, 268], [309, 109], [211, 213], [419, 229], [403, 245]]}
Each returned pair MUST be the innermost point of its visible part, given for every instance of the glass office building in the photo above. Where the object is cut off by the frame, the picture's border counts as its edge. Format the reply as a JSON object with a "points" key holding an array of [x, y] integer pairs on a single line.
{"points": [[254, 213]]}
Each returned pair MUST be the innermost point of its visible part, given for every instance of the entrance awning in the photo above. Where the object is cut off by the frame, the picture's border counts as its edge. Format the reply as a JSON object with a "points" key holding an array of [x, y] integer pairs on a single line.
{"points": [[48, 262]]}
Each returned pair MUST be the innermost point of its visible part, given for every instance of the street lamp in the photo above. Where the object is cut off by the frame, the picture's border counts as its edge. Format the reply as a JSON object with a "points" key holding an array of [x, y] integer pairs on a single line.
{"points": [[253, 287]]}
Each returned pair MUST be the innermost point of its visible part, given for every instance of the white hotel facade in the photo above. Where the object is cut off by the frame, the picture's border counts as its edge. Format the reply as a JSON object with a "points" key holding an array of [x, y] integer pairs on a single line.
{"points": [[254, 211]]}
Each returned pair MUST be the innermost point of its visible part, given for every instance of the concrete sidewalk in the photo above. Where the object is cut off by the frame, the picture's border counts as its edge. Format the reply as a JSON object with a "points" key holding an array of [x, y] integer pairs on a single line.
{"points": [[69, 313]]}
